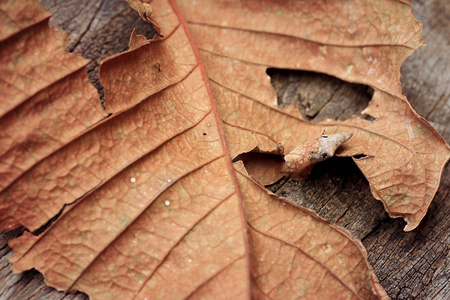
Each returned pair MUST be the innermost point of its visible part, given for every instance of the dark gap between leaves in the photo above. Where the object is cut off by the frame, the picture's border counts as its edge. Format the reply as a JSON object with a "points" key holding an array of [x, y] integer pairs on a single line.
{"points": [[247, 156], [49, 222]]}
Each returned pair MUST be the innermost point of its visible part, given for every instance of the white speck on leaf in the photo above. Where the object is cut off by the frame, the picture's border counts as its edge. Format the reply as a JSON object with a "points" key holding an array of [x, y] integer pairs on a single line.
{"points": [[349, 69], [351, 29], [410, 131]]}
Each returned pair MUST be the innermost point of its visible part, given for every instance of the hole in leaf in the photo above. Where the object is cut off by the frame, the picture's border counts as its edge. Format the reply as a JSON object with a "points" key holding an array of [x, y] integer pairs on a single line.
{"points": [[368, 117], [320, 96], [337, 190], [359, 156]]}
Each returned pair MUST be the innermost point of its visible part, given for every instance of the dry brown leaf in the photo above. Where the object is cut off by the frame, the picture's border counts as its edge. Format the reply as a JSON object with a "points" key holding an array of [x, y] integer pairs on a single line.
{"points": [[355, 41], [157, 196], [37, 73], [298, 255], [157, 199]]}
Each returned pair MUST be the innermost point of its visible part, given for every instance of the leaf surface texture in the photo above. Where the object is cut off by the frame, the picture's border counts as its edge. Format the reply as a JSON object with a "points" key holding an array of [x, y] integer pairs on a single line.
{"points": [[153, 200]]}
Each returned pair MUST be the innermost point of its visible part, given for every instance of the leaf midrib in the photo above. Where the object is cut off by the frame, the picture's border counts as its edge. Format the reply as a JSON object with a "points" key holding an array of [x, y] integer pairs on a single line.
{"points": [[225, 155]]}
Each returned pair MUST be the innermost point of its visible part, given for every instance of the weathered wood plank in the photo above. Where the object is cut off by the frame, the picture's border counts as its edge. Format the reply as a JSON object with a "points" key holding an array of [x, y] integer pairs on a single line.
{"points": [[413, 265]]}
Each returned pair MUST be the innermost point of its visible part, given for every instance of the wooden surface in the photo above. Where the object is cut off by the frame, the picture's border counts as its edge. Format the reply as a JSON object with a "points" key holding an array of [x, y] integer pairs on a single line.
{"points": [[413, 265]]}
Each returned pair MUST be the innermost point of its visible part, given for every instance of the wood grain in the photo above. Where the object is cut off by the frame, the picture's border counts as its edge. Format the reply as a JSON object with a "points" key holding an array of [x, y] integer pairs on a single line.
{"points": [[410, 265]]}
